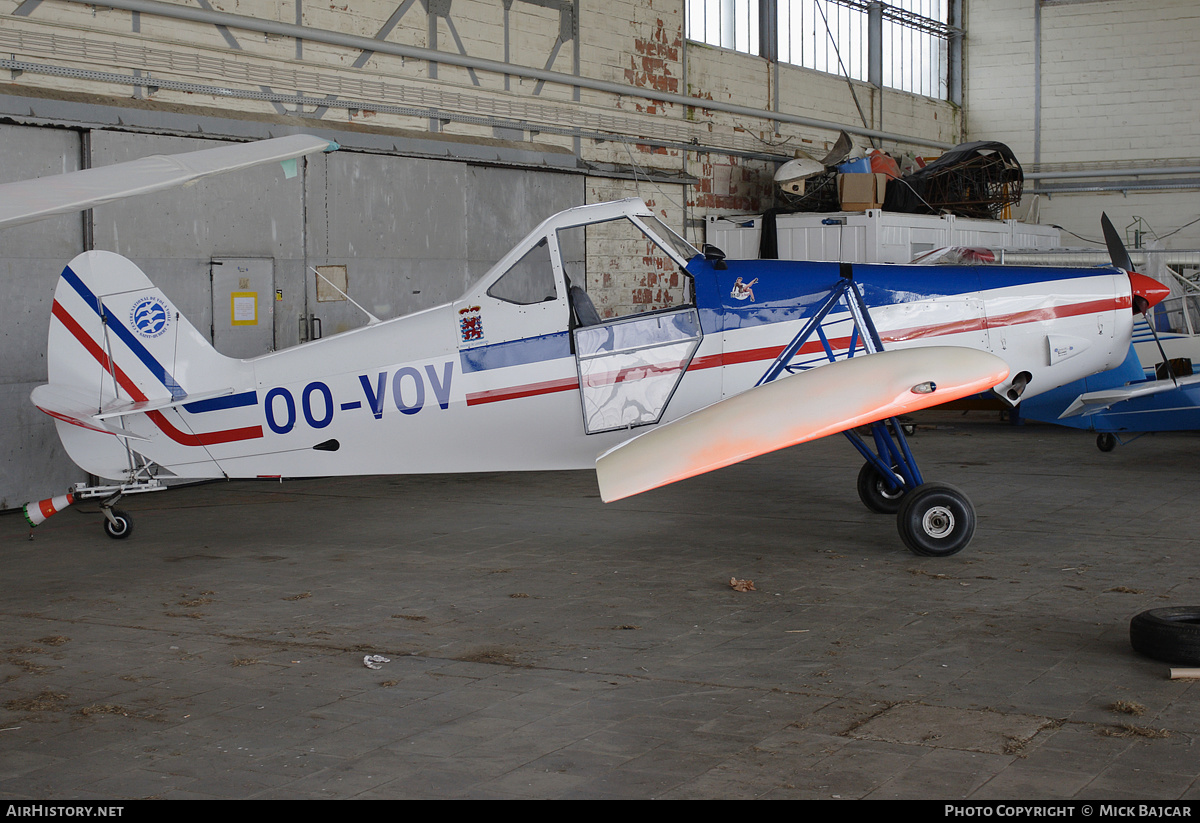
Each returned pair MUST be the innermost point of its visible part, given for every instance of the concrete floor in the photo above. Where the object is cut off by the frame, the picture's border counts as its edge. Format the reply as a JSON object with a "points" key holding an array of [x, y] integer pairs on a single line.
{"points": [[545, 645]]}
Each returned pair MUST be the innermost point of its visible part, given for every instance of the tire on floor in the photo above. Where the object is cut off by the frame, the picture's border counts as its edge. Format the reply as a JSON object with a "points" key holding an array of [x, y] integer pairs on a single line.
{"points": [[1171, 635]]}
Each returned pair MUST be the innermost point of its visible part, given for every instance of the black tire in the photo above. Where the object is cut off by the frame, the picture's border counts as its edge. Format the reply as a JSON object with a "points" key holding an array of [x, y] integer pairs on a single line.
{"points": [[936, 520], [122, 528], [1106, 442], [874, 493], [1171, 635]]}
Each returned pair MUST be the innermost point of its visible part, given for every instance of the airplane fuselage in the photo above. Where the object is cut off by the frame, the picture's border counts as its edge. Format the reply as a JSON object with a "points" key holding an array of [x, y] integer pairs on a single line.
{"points": [[494, 382]]}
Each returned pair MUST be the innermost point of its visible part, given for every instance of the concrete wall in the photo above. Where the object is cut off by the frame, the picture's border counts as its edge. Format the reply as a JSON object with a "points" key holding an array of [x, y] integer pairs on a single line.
{"points": [[638, 44], [31, 459], [1094, 84], [412, 233], [415, 233]]}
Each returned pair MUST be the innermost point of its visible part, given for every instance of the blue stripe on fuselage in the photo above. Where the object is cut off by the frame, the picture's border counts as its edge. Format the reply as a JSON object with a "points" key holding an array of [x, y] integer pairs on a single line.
{"points": [[791, 290], [516, 352], [229, 401]]}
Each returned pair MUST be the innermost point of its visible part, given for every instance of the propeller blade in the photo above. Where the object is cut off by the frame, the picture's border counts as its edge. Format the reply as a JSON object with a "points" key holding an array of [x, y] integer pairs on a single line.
{"points": [[1146, 291], [1116, 248], [791, 410]]}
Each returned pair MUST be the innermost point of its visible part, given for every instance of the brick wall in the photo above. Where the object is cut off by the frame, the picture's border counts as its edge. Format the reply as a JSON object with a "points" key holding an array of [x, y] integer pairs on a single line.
{"points": [[637, 43]]}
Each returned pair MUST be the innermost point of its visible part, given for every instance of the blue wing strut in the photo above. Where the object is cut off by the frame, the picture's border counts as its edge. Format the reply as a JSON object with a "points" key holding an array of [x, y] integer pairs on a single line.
{"points": [[891, 458]]}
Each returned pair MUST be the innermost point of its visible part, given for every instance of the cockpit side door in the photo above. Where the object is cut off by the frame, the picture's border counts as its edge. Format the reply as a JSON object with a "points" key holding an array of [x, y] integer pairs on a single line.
{"points": [[630, 367]]}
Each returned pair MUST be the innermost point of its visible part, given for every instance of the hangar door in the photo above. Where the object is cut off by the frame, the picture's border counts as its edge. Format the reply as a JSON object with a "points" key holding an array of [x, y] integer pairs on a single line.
{"points": [[403, 234], [243, 305]]}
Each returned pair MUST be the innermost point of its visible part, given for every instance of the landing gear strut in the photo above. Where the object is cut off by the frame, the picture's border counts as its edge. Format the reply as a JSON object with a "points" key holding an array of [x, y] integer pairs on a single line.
{"points": [[117, 523], [934, 519]]}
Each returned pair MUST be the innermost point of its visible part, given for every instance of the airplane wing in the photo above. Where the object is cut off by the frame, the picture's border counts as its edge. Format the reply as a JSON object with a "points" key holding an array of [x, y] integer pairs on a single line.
{"points": [[28, 200], [795, 409], [1096, 401]]}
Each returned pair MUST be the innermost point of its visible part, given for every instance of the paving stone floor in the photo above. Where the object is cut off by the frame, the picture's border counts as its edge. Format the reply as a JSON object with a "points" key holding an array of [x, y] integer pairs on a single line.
{"points": [[542, 644]]}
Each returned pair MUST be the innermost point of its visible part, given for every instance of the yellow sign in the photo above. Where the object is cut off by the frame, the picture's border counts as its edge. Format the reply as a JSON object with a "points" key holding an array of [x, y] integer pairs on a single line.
{"points": [[243, 308]]}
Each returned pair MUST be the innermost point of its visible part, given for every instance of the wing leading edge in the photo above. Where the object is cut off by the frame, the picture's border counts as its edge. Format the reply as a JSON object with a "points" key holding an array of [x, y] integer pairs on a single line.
{"points": [[796, 409], [28, 200]]}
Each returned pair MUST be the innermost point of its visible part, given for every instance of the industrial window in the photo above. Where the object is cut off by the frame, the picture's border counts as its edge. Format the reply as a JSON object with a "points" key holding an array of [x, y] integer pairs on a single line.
{"points": [[911, 38], [730, 24]]}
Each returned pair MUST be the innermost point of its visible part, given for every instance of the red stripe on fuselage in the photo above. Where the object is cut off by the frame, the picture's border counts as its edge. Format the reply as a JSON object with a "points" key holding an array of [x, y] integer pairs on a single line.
{"points": [[181, 437], [917, 332], [1017, 318], [840, 343], [528, 390]]}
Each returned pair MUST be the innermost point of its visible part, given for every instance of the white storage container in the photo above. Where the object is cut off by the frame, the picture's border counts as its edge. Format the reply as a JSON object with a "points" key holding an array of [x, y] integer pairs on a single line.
{"points": [[873, 236]]}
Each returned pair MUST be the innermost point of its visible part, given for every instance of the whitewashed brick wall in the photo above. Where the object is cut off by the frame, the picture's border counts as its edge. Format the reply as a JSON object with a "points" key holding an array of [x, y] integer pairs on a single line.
{"points": [[1117, 86], [638, 43]]}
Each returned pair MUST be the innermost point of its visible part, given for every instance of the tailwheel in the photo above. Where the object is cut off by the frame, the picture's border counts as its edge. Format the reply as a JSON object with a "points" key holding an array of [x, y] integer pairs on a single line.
{"points": [[936, 520], [1106, 442], [875, 493], [117, 524]]}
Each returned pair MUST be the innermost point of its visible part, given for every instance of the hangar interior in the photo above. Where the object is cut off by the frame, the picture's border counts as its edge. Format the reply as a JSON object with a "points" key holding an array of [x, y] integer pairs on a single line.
{"points": [[536, 105], [540, 644]]}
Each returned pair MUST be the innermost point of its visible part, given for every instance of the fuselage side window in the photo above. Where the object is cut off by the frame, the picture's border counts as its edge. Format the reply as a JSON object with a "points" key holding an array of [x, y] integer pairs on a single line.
{"points": [[529, 281]]}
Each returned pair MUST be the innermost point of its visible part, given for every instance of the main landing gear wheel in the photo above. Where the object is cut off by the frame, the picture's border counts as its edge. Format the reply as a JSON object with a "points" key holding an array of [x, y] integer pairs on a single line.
{"points": [[936, 520], [119, 527], [1106, 442], [874, 492]]}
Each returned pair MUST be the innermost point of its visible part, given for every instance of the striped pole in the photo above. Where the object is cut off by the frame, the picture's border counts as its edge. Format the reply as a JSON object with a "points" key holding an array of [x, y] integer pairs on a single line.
{"points": [[36, 513]]}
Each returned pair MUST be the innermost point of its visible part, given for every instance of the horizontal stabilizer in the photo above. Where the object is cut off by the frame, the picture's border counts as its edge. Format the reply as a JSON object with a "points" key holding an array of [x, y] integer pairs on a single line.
{"points": [[76, 407], [795, 409], [118, 408], [28, 200], [1096, 401]]}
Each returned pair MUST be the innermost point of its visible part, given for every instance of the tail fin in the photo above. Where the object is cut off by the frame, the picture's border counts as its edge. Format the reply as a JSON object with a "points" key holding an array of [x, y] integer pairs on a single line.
{"points": [[129, 332], [119, 348]]}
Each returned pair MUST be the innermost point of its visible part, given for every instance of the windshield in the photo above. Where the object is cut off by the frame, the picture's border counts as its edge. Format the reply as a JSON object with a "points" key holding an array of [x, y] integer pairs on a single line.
{"points": [[674, 242]]}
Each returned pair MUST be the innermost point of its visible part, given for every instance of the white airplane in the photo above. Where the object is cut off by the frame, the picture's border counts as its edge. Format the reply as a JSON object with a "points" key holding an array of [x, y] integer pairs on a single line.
{"points": [[522, 372]]}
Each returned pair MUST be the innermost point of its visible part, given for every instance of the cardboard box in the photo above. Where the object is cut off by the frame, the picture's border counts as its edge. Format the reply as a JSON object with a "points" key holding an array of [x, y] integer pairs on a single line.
{"points": [[859, 192], [1180, 367]]}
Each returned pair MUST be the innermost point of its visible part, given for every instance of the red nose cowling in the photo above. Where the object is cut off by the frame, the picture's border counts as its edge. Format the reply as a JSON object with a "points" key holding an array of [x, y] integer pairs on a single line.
{"points": [[1147, 292]]}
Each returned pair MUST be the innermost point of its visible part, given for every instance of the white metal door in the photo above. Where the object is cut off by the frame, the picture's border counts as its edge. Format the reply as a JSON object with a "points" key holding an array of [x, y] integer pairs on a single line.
{"points": [[243, 304]]}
